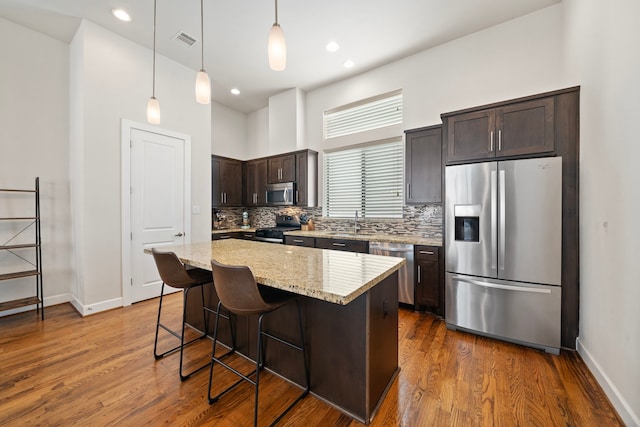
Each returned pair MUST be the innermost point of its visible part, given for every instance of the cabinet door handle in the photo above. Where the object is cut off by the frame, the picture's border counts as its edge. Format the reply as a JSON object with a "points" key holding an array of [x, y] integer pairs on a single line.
{"points": [[221, 197], [500, 140], [408, 190], [491, 143], [427, 252], [179, 234], [226, 236], [297, 197], [342, 245], [250, 236], [419, 274], [298, 241]]}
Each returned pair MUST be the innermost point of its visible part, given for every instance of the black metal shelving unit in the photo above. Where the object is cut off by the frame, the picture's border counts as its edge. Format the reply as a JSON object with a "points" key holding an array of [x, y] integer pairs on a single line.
{"points": [[16, 249]]}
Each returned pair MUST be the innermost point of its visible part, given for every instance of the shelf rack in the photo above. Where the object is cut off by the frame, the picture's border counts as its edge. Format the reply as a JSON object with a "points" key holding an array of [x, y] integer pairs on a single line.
{"points": [[36, 271]]}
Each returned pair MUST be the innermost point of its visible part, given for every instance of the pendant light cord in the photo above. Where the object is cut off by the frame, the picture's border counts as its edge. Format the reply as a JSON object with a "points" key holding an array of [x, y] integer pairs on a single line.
{"points": [[202, 32], [276, 11], [153, 90]]}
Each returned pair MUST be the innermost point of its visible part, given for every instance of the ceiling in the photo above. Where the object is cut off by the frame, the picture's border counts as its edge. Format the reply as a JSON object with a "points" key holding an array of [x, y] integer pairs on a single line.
{"points": [[370, 33]]}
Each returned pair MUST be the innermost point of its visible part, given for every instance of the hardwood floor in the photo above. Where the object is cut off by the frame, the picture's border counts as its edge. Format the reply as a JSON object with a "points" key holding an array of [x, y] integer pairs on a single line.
{"points": [[100, 370]]}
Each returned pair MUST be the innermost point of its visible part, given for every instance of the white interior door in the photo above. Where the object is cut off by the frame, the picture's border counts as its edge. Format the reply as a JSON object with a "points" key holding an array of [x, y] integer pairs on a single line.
{"points": [[159, 205]]}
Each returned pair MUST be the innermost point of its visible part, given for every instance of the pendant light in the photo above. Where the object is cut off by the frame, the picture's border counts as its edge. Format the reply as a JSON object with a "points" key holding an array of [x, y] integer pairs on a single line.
{"points": [[153, 106], [277, 46], [203, 86]]}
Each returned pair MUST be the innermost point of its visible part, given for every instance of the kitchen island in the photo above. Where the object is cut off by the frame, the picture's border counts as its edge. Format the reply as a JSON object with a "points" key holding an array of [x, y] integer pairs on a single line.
{"points": [[350, 316]]}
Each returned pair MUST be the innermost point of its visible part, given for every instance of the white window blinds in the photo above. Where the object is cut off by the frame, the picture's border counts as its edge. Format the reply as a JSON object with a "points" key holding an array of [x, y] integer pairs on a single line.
{"points": [[365, 179], [372, 113]]}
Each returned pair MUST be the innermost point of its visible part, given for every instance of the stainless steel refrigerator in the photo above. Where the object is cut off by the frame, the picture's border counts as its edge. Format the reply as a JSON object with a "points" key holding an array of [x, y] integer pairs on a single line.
{"points": [[503, 246]]}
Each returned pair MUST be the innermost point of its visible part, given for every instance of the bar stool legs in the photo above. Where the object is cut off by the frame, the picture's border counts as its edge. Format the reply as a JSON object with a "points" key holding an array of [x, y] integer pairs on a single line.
{"points": [[180, 336], [260, 361]]}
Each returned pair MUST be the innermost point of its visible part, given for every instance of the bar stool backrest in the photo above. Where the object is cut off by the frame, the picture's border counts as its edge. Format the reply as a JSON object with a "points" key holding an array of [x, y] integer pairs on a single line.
{"points": [[237, 289], [172, 271]]}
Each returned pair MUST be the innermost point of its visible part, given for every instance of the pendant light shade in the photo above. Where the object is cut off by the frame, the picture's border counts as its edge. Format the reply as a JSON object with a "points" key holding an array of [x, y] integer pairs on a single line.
{"points": [[153, 111], [153, 106], [203, 85], [277, 46]]}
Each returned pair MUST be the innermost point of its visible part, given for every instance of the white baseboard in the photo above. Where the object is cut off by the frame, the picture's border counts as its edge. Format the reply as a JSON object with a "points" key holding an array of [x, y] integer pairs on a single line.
{"points": [[622, 406], [86, 310], [48, 301]]}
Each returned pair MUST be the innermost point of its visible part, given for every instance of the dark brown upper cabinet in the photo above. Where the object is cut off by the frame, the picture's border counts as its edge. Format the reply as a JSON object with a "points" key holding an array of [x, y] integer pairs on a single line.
{"points": [[510, 130], [226, 182], [282, 168], [256, 183], [423, 165]]}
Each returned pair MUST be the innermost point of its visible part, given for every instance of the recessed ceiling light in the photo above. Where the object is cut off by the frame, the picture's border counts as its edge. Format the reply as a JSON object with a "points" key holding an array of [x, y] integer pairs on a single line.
{"points": [[121, 14], [332, 46], [235, 91], [348, 64]]}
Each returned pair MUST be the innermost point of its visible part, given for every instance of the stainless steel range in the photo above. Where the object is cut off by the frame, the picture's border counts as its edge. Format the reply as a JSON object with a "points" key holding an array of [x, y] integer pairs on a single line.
{"points": [[275, 234]]}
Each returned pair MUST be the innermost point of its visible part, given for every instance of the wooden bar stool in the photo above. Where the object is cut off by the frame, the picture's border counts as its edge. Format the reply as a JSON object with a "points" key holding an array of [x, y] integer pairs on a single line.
{"points": [[239, 294], [174, 274]]}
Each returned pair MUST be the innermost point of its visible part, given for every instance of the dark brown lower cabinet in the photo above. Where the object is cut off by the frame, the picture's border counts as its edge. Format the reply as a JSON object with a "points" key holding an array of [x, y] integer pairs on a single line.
{"points": [[245, 235], [361, 246], [309, 242], [429, 279]]}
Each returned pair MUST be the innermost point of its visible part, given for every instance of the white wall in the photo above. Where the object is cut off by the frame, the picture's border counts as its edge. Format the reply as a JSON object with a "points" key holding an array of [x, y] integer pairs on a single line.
{"points": [[34, 141], [286, 121], [603, 57], [507, 61], [112, 81], [228, 132], [258, 134]]}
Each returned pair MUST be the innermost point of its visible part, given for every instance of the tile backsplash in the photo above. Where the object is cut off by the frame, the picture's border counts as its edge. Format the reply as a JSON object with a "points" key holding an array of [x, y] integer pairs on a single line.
{"points": [[422, 220]]}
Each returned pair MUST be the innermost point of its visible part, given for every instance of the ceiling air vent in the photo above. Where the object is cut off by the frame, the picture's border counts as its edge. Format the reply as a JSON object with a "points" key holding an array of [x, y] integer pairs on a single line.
{"points": [[185, 38]]}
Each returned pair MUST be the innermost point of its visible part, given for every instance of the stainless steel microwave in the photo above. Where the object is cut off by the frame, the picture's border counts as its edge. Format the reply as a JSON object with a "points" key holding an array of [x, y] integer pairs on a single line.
{"points": [[280, 194]]}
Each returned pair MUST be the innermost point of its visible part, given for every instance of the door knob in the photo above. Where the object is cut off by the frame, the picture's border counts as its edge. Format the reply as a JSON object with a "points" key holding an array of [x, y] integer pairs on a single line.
{"points": [[179, 234]]}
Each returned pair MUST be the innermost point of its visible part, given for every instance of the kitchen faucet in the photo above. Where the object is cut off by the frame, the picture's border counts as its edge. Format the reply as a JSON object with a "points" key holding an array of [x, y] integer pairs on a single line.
{"points": [[355, 223]]}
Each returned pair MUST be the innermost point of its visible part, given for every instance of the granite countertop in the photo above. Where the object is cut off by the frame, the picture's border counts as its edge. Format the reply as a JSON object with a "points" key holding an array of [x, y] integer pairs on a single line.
{"points": [[334, 276], [378, 237]]}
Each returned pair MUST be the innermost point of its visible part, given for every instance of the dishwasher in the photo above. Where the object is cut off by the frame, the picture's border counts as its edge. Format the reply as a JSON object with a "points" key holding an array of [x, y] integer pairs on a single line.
{"points": [[405, 274]]}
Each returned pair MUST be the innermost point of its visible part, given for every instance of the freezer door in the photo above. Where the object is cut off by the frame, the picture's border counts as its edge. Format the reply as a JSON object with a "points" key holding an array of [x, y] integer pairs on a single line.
{"points": [[471, 219], [530, 220], [520, 312]]}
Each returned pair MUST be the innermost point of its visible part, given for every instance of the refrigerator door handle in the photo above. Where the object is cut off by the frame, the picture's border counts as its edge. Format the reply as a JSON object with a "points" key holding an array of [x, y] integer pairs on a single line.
{"points": [[501, 286], [503, 215], [494, 219]]}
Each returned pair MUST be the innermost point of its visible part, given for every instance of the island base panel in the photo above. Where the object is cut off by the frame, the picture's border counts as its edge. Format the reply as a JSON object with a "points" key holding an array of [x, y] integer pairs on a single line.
{"points": [[352, 349]]}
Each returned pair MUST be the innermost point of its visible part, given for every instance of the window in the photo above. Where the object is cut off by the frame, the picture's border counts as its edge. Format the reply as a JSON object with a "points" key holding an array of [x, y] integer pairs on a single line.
{"points": [[365, 179], [372, 113]]}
